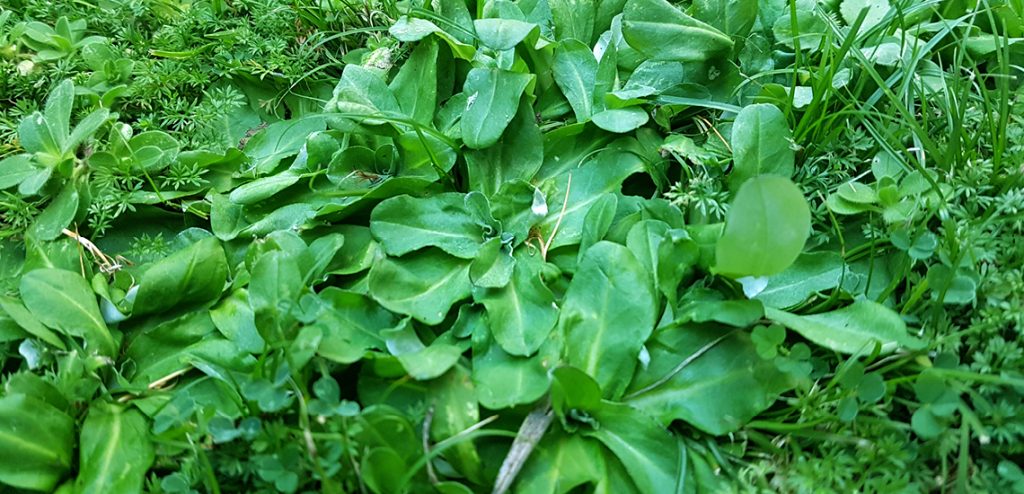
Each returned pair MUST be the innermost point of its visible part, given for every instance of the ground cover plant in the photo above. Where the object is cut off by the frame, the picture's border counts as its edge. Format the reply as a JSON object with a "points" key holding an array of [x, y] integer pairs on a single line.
{"points": [[511, 246]]}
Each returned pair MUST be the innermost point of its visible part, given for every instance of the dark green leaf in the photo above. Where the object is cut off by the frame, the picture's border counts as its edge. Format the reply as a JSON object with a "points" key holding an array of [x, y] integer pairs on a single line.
{"points": [[404, 224], [193, 275], [115, 451], [35, 443], [663, 32], [423, 285], [609, 311], [761, 144], [63, 301], [852, 329], [493, 99]]}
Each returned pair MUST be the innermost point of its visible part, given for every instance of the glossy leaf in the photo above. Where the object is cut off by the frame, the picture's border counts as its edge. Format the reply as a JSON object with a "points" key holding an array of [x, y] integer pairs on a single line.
{"points": [[761, 144], [63, 301], [415, 85], [58, 215], [193, 275], [522, 313], [575, 72], [493, 99], [651, 455], [663, 32], [116, 452], [811, 273], [423, 285], [517, 155], [35, 443], [718, 391], [852, 329], [608, 313], [404, 224]]}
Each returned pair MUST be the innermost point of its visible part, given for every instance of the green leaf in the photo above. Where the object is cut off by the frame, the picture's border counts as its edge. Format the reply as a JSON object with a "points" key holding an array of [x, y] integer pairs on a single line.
{"points": [[761, 144], [522, 313], [273, 293], [58, 111], [768, 223], [852, 329], [560, 463], [621, 120], [279, 140], [57, 215], [663, 32], [14, 169], [415, 85], [732, 17], [25, 320], [502, 34], [404, 224], [493, 99], [115, 451], [36, 442], [263, 188], [351, 325], [608, 313], [193, 275], [36, 137], [573, 19], [811, 273], [492, 267], [517, 155], [455, 410], [575, 71], [234, 318], [64, 301], [651, 455], [502, 380], [589, 184], [86, 128], [716, 391], [423, 285], [573, 391], [421, 362], [362, 91]]}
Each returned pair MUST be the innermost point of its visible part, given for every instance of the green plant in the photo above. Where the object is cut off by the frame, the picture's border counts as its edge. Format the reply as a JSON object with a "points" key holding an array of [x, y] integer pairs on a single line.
{"points": [[626, 246]]}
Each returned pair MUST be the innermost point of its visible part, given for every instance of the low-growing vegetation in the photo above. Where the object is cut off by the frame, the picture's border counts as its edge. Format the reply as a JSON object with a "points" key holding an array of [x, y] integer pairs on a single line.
{"points": [[538, 246]]}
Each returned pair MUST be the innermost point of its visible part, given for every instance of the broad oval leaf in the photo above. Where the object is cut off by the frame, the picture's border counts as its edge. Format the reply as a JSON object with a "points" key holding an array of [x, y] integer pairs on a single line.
{"points": [[761, 144], [404, 224], [575, 71], [492, 100], [768, 223], [193, 275], [621, 120], [609, 311], [63, 301], [718, 391], [35, 443], [852, 329], [522, 313], [650, 453], [423, 285], [516, 156], [663, 32], [116, 452], [502, 34], [351, 324], [415, 85], [811, 273]]}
